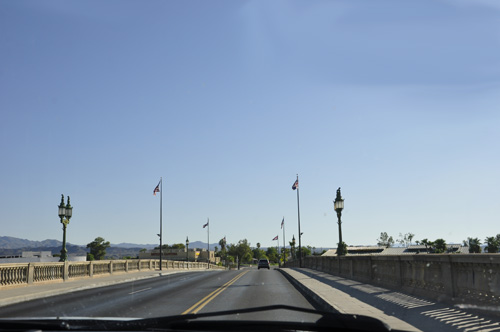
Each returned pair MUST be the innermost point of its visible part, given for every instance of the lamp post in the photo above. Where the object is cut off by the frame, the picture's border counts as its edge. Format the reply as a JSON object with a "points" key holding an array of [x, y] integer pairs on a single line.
{"points": [[161, 250], [293, 247], [339, 206], [65, 213], [187, 248]]}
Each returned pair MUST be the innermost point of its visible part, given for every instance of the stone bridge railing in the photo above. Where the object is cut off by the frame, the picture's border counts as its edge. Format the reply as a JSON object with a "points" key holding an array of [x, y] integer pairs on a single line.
{"points": [[471, 278], [30, 273]]}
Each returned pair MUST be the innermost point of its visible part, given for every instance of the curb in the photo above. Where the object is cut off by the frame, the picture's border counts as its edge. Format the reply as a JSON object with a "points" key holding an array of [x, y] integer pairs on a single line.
{"points": [[318, 300]]}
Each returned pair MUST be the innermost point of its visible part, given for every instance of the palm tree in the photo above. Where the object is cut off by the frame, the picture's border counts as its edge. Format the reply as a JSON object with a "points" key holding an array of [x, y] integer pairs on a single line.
{"points": [[428, 244], [222, 244], [493, 243], [474, 245]]}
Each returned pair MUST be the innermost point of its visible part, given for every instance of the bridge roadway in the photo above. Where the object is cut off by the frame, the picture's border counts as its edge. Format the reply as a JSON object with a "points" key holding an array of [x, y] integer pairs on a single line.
{"points": [[173, 294], [208, 291]]}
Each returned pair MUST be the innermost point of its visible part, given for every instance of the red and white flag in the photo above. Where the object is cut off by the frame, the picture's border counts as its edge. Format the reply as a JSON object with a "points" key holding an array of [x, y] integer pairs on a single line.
{"points": [[275, 238], [295, 184], [157, 189], [205, 224]]}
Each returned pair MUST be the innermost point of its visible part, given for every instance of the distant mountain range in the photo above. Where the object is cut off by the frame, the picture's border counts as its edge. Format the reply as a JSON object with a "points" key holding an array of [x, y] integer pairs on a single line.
{"points": [[12, 246], [8, 242]]}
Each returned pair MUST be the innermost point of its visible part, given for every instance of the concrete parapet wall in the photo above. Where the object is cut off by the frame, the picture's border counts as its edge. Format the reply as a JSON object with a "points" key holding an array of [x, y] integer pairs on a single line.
{"points": [[30, 273], [471, 278]]}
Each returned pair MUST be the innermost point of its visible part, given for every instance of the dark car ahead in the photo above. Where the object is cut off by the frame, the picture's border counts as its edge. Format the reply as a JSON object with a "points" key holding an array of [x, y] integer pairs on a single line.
{"points": [[263, 263]]}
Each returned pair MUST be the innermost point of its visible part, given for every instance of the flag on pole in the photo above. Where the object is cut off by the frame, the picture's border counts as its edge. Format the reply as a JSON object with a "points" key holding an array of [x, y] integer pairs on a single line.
{"points": [[205, 225], [157, 189], [282, 223], [275, 238], [295, 184]]}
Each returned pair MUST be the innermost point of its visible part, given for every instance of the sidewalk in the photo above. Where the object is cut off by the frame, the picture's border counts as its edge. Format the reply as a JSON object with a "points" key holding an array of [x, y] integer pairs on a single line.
{"points": [[16, 294], [332, 299], [398, 310]]}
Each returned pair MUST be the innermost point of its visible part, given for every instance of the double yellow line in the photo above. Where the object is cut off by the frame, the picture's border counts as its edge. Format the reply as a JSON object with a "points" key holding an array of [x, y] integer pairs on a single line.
{"points": [[204, 301]]}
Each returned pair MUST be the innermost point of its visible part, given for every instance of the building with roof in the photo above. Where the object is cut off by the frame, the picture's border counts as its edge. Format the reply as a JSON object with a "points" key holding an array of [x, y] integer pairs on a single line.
{"points": [[394, 251], [38, 257]]}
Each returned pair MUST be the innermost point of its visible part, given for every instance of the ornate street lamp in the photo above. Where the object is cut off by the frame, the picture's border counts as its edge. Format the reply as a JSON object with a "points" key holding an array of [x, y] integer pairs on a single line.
{"points": [[339, 206], [65, 213], [293, 247], [187, 248]]}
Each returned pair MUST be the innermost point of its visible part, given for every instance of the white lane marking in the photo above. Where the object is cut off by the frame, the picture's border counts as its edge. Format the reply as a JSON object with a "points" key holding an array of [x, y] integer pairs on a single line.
{"points": [[140, 290]]}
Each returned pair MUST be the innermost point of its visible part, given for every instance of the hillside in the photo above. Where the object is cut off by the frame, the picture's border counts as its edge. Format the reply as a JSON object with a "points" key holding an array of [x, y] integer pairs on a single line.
{"points": [[11, 246], [8, 242]]}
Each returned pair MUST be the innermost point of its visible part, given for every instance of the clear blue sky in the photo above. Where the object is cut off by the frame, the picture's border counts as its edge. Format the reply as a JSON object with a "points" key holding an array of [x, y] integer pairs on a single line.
{"points": [[397, 102]]}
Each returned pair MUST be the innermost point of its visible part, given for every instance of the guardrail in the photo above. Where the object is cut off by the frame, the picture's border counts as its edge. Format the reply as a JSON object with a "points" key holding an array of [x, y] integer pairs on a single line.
{"points": [[470, 278], [31, 273]]}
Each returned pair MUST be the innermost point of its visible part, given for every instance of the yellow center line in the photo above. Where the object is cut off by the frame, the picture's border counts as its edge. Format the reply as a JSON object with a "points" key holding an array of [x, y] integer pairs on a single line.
{"points": [[204, 301]]}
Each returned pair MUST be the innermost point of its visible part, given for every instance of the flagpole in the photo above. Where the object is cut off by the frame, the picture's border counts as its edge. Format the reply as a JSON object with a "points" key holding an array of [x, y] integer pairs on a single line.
{"points": [[161, 226], [283, 249], [208, 240], [278, 241], [298, 214]]}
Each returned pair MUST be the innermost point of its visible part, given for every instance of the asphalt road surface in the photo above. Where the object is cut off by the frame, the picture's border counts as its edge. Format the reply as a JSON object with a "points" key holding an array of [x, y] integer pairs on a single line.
{"points": [[174, 294]]}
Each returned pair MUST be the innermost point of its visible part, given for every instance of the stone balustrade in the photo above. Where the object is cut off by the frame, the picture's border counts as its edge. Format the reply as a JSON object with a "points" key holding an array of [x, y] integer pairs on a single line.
{"points": [[31, 273], [471, 278]]}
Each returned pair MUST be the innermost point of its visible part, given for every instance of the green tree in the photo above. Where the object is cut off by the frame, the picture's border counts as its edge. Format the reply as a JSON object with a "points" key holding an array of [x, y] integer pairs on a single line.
{"points": [[98, 248], [493, 244], [341, 249], [272, 254], [436, 247], [474, 245], [306, 251], [222, 253], [406, 239], [285, 254], [222, 243], [241, 250], [385, 240], [440, 246], [258, 253], [173, 246], [410, 237], [428, 244]]}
